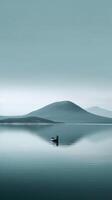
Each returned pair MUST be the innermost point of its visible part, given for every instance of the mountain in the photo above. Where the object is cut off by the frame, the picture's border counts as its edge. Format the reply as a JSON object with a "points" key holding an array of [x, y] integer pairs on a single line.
{"points": [[25, 120], [66, 111], [100, 111]]}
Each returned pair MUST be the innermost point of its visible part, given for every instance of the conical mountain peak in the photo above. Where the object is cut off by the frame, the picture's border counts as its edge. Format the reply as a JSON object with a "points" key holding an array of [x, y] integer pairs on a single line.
{"points": [[67, 111]]}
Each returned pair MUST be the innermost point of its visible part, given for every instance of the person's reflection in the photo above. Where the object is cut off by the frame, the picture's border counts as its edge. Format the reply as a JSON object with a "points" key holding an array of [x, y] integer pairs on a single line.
{"points": [[55, 140]]}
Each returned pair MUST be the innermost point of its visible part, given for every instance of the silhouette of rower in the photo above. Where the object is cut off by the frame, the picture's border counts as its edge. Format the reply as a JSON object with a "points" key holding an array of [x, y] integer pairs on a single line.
{"points": [[55, 140]]}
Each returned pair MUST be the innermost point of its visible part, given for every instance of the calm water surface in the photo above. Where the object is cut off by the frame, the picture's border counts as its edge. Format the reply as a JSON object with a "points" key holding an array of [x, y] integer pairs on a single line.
{"points": [[33, 168]]}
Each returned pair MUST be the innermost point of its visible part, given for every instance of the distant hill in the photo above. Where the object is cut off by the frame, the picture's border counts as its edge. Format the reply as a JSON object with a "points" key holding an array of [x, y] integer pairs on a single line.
{"points": [[63, 111], [25, 120], [100, 111], [66, 111]]}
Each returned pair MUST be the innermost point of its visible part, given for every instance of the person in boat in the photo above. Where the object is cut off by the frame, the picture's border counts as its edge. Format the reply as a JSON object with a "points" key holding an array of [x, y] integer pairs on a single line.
{"points": [[55, 140]]}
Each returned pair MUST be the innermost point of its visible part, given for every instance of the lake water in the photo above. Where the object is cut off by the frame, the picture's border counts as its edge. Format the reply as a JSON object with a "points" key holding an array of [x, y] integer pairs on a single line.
{"points": [[33, 168]]}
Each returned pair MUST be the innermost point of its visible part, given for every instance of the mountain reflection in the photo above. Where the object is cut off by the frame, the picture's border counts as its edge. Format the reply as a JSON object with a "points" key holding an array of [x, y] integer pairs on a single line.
{"points": [[67, 134]]}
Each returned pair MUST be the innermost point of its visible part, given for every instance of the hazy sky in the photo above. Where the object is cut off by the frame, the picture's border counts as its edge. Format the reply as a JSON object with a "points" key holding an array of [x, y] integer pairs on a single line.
{"points": [[55, 50]]}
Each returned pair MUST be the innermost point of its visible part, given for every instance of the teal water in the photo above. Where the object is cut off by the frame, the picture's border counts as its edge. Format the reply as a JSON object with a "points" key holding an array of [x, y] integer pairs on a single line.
{"points": [[33, 168]]}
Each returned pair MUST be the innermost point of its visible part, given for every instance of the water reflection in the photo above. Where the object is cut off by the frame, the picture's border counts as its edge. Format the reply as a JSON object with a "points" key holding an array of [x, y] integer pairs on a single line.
{"points": [[63, 134], [31, 167]]}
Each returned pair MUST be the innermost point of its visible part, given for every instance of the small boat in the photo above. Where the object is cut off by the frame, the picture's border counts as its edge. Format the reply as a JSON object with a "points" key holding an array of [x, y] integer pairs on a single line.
{"points": [[55, 140]]}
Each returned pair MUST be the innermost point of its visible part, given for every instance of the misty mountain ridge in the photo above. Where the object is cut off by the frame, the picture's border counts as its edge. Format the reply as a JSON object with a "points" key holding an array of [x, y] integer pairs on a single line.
{"points": [[25, 119], [68, 112], [100, 111], [61, 112]]}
